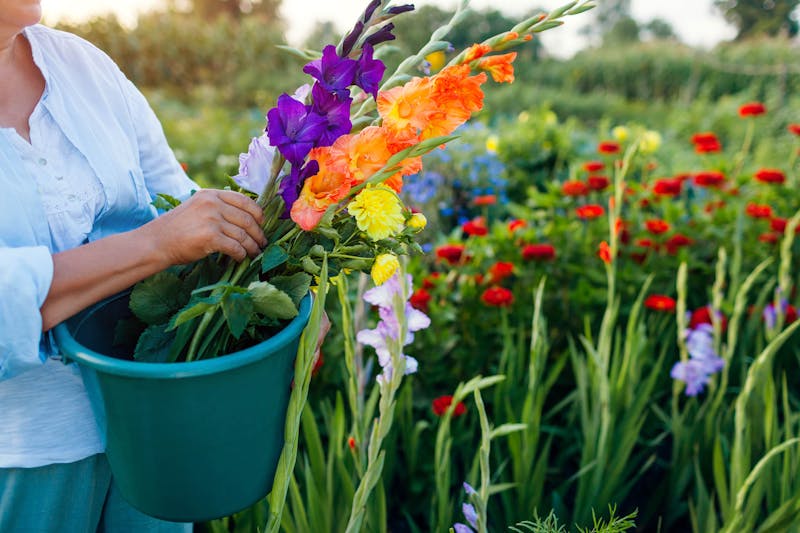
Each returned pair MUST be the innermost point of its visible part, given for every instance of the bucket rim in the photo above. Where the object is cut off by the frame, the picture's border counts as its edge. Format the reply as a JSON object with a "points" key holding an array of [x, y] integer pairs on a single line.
{"points": [[71, 349]]}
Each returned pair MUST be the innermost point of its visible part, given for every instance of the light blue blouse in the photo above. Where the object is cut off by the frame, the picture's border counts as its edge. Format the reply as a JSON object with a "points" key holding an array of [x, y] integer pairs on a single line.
{"points": [[107, 120]]}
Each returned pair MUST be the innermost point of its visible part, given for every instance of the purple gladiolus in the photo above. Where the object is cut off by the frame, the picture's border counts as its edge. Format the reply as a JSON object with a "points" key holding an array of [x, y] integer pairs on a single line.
{"points": [[291, 184], [693, 374], [334, 73], [469, 513], [370, 10], [255, 166], [458, 527], [370, 72], [703, 360], [381, 36], [396, 10], [350, 40], [335, 111], [293, 129]]}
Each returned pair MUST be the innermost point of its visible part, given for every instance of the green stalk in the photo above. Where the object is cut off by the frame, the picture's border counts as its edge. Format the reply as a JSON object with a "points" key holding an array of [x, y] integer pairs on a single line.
{"points": [[746, 144], [486, 443], [204, 322]]}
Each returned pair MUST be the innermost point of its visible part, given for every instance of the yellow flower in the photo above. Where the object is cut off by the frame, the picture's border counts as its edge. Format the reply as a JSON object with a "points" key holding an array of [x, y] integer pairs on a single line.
{"points": [[550, 118], [383, 268], [621, 133], [651, 141], [378, 212], [417, 221], [491, 143], [524, 116], [437, 60]]}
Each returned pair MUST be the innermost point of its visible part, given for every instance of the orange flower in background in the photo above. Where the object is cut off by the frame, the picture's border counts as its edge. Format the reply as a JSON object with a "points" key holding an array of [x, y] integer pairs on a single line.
{"points": [[752, 109], [516, 224], [497, 297], [604, 252], [476, 227], [574, 188], [593, 166], [328, 186], [476, 51], [499, 67], [660, 302], [794, 129], [590, 211], [486, 199], [709, 178], [538, 252], [500, 271], [608, 147], [770, 175], [758, 210], [597, 183], [667, 187], [440, 405], [657, 226]]}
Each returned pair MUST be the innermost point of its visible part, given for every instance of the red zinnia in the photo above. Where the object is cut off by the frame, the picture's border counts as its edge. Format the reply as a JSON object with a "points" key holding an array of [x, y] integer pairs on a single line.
{"points": [[538, 252], [450, 252], [752, 109], [705, 137], [659, 302], [430, 280], [420, 300], [758, 210], [703, 316], [516, 224], [486, 199], [709, 178], [657, 226], [770, 175], [598, 183], [778, 224], [440, 405], [794, 128], [500, 271], [574, 188], [769, 237], [593, 166], [676, 242], [497, 297], [667, 187], [476, 226], [590, 211], [708, 148], [608, 147]]}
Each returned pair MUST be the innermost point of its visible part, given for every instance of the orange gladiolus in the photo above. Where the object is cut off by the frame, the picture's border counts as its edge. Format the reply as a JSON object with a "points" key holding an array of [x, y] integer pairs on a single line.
{"points": [[325, 188], [499, 67], [405, 110], [476, 51], [457, 95]]}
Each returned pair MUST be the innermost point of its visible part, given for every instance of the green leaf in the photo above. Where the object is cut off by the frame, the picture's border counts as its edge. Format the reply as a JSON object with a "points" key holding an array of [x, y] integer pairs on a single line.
{"points": [[271, 301], [296, 285], [273, 256], [165, 202], [154, 344], [194, 309], [237, 308], [156, 298]]}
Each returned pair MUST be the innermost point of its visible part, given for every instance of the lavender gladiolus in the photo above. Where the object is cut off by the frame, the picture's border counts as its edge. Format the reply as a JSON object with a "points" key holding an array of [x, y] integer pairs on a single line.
{"points": [[370, 72], [703, 360], [255, 166], [293, 129], [334, 73]]}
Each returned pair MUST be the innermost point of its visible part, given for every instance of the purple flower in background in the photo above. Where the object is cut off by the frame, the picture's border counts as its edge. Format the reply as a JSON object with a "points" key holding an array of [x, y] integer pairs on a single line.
{"points": [[382, 35], [293, 128], [469, 489], [334, 110], [291, 184], [255, 166], [469, 513], [370, 72], [703, 360], [334, 73], [693, 373], [458, 527]]}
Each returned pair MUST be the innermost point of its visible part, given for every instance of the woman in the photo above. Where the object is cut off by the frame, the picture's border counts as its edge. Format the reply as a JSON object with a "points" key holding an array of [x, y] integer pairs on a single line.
{"points": [[81, 156]]}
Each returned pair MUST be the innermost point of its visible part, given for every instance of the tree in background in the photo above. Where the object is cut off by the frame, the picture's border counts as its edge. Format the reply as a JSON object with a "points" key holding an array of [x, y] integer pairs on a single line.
{"points": [[761, 17], [659, 29], [236, 9]]}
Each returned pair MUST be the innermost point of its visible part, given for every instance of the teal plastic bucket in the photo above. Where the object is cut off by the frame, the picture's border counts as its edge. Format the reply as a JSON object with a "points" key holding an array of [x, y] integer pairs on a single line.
{"points": [[186, 442]]}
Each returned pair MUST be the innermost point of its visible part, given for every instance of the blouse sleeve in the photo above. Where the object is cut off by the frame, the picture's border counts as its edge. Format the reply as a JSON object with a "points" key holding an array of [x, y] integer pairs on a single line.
{"points": [[25, 277]]}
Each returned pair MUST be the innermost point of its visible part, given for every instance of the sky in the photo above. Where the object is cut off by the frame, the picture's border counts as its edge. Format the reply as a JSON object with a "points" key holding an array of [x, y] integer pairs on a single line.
{"points": [[695, 21]]}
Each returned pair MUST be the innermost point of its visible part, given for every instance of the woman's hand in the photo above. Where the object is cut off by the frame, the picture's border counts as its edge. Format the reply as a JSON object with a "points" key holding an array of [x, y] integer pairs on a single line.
{"points": [[210, 221]]}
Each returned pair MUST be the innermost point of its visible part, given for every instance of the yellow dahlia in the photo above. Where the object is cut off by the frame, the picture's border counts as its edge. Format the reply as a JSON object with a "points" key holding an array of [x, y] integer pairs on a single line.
{"points": [[378, 212], [384, 268]]}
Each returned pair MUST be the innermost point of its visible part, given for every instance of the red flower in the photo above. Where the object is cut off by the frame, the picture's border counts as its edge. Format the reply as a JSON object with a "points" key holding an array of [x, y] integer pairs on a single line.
{"points": [[516, 224], [430, 280], [778, 224], [593, 166], [708, 148], [706, 137], [791, 314], [657, 226], [644, 243], [608, 147], [604, 252], [770, 175], [440, 405], [538, 252], [500, 271], [184, 166], [667, 187], [351, 442], [769, 237], [486, 199], [574, 188], [598, 183], [703, 316], [476, 226], [794, 128], [659, 302], [318, 363], [589, 211], [709, 178], [712, 206], [497, 297], [752, 109], [758, 210], [676, 242], [450, 252], [420, 299]]}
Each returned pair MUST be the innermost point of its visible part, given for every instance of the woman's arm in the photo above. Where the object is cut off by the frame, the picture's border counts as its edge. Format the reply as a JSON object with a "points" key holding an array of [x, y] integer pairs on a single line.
{"points": [[210, 221]]}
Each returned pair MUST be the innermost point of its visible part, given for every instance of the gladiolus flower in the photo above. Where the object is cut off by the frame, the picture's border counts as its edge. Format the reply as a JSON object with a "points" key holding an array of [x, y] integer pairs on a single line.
{"points": [[439, 406], [476, 227], [500, 271], [590, 211], [451, 253], [659, 302], [383, 268], [770, 315], [593, 166], [656, 226], [420, 299], [770, 175], [334, 73], [293, 128], [667, 187], [499, 67], [497, 297], [794, 129], [574, 188], [378, 212], [758, 210], [709, 179], [604, 252], [486, 199], [752, 109], [608, 147], [516, 224], [597, 183], [476, 51], [538, 252]]}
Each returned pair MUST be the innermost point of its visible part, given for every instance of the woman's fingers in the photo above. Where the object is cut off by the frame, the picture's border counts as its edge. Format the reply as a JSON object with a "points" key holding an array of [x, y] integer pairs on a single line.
{"points": [[244, 203], [240, 235], [232, 247], [244, 220]]}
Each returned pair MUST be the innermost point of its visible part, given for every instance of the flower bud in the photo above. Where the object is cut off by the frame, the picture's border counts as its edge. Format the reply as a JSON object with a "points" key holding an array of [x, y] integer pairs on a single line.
{"points": [[384, 267], [417, 221]]}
